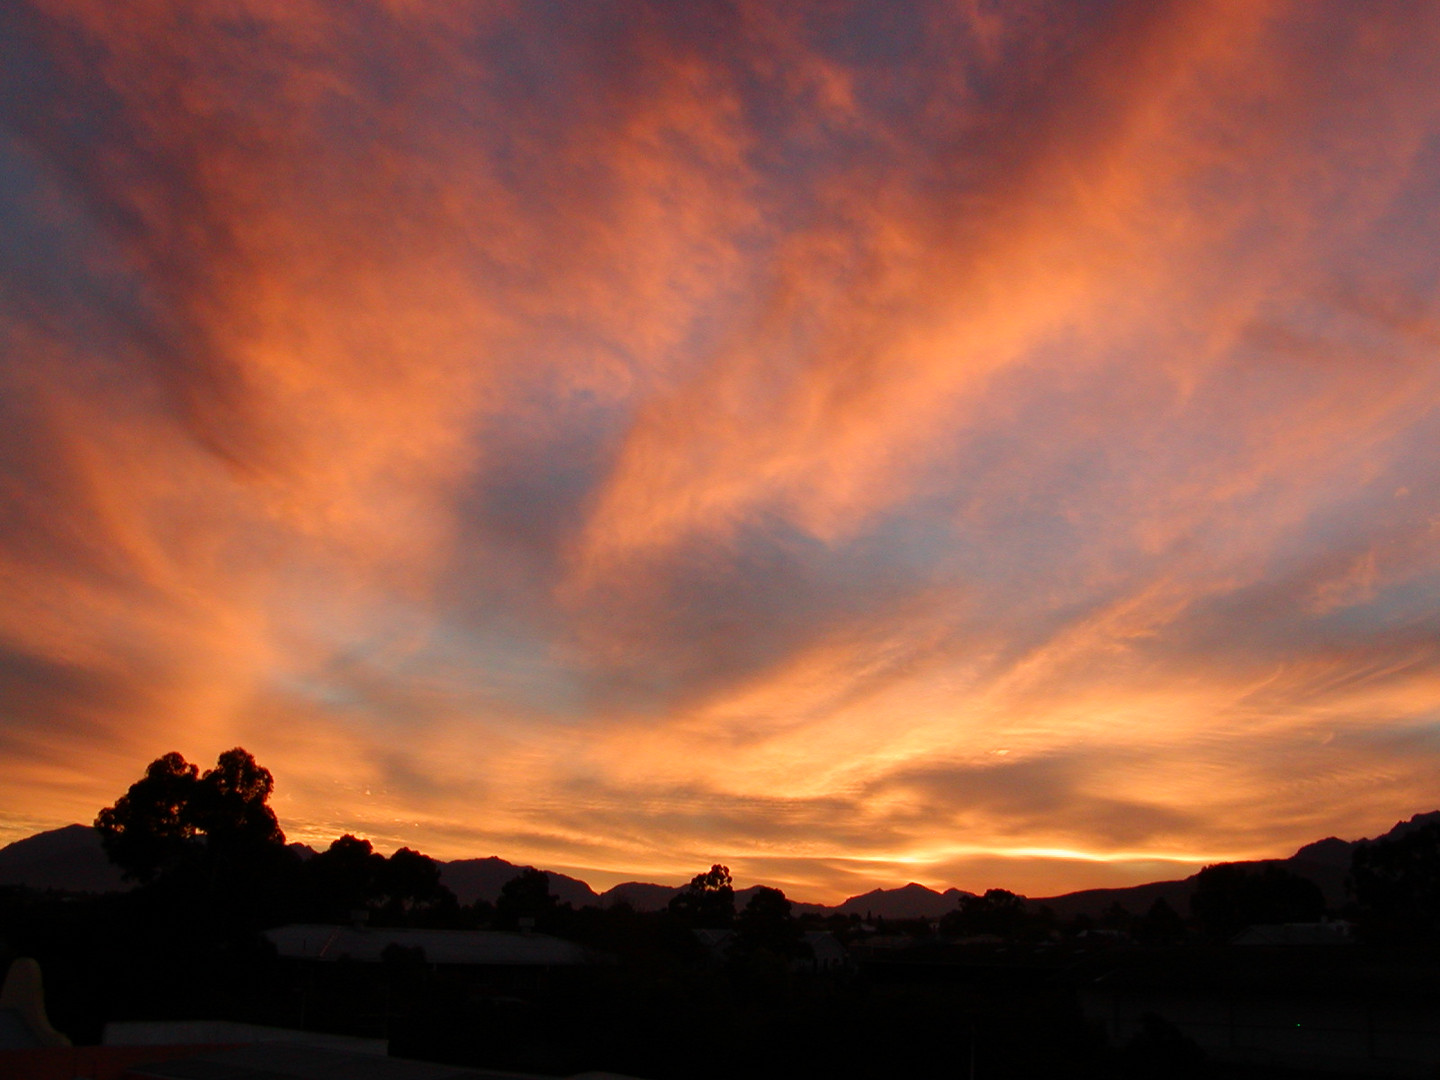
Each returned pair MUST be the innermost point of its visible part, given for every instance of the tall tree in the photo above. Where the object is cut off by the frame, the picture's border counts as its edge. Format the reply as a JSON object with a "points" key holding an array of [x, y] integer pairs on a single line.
{"points": [[527, 896], [411, 879], [708, 901], [230, 804], [766, 923], [172, 814], [150, 826], [345, 876]]}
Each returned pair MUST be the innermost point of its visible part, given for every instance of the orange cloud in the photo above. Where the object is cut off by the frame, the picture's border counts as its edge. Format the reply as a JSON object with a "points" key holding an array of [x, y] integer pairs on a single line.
{"points": [[854, 444]]}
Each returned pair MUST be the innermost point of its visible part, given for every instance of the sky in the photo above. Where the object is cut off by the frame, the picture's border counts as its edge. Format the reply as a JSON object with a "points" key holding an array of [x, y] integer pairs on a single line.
{"points": [[990, 445]]}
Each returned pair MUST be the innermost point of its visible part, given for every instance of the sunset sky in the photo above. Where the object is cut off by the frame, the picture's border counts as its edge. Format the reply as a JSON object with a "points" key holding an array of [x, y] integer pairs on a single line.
{"points": [[972, 443]]}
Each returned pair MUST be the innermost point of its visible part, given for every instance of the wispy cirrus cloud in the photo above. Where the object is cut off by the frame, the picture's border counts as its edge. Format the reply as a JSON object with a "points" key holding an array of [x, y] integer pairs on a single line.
{"points": [[921, 441]]}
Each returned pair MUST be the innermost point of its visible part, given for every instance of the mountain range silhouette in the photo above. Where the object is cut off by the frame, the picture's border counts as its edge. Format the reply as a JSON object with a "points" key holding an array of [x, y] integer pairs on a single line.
{"points": [[71, 859]]}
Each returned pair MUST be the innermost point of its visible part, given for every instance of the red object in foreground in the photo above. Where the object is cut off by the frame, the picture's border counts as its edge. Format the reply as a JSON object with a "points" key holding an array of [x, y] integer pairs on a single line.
{"points": [[88, 1062]]}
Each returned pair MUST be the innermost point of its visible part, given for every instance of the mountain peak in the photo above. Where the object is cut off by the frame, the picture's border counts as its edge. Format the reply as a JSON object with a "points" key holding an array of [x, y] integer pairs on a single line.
{"points": [[1332, 851], [68, 858]]}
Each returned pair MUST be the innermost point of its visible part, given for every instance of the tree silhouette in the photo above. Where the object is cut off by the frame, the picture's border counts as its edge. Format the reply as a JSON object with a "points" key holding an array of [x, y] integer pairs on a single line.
{"points": [[1396, 883], [160, 822], [229, 804], [1162, 924], [410, 879], [999, 912], [766, 923], [708, 901], [1228, 897], [150, 826], [526, 896], [1117, 917], [346, 876]]}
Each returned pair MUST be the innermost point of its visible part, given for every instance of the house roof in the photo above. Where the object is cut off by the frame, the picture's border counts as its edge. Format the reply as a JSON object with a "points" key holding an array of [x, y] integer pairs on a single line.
{"points": [[489, 948], [278, 1061], [1321, 933]]}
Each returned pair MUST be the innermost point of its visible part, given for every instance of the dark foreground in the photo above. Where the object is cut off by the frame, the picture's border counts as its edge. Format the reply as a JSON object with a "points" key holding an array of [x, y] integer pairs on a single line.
{"points": [[653, 1002]]}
